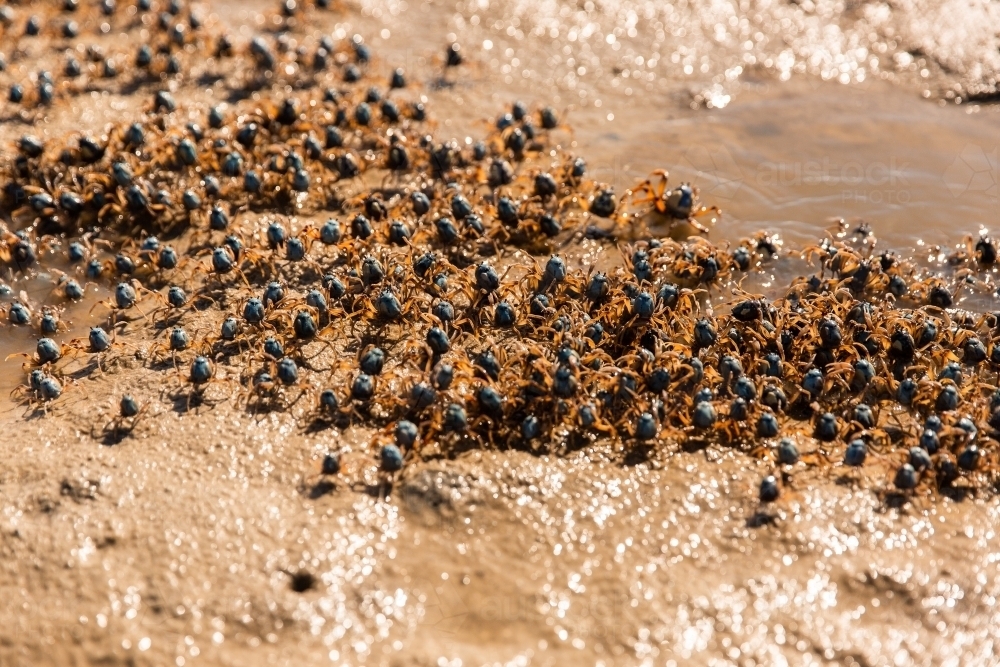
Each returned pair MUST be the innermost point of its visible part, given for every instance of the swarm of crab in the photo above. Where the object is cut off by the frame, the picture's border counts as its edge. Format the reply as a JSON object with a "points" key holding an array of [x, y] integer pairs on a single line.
{"points": [[321, 253]]}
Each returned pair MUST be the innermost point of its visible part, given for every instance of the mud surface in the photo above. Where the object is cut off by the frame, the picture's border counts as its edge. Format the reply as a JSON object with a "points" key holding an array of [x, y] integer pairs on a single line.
{"points": [[207, 536], [189, 542]]}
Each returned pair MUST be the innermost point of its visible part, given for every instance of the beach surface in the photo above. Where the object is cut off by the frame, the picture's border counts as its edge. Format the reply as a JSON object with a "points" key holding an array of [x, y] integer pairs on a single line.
{"points": [[207, 536]]}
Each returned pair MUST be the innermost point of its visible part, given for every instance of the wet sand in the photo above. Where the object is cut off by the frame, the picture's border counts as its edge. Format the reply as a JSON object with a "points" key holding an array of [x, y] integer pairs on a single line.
{"points": [[186, 542]]}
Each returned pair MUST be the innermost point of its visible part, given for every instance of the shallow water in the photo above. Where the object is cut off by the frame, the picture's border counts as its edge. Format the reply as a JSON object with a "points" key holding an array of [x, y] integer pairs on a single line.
{"points": [[784, 153], [177, 546]]}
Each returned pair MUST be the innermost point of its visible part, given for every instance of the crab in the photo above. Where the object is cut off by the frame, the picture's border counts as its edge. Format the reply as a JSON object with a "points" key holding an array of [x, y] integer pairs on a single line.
{"points": [[677, 204]]}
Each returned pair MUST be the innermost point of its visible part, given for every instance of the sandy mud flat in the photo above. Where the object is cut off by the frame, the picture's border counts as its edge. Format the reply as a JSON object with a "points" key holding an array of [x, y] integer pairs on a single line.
{"points": [[206, 534]]}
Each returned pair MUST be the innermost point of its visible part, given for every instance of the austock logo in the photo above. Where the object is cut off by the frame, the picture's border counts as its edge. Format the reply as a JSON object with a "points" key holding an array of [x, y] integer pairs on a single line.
{"points": [[975, 170], [718, 175]]}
